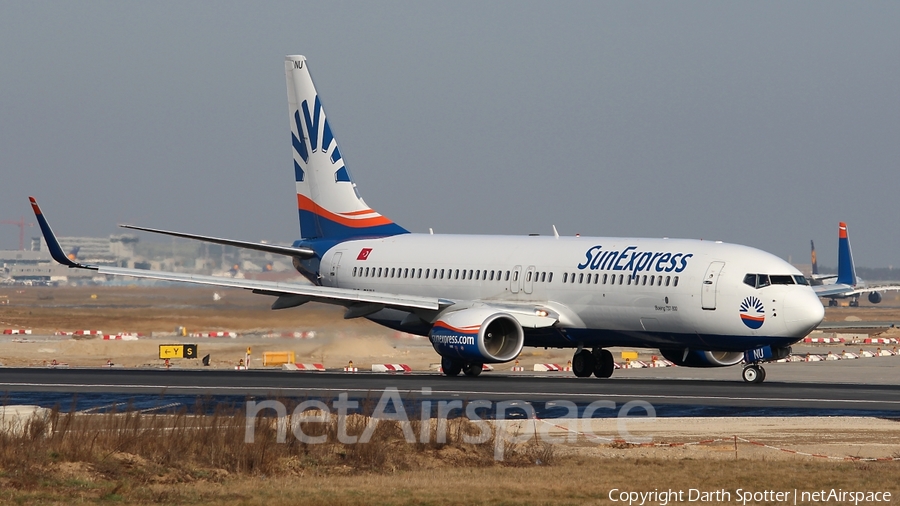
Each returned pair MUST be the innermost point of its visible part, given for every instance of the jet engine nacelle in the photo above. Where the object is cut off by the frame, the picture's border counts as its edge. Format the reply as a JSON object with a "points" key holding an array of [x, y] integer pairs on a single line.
{"points": [[478, 335], [874, 297], [699, 358]]}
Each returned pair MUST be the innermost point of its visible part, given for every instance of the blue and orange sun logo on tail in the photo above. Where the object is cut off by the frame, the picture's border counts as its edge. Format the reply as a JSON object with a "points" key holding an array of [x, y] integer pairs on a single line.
{"points": [[753, 314]]}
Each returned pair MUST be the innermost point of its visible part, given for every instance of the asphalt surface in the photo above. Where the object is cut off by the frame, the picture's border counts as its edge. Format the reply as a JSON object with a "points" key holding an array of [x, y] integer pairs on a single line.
{"points": [[724, 391]]}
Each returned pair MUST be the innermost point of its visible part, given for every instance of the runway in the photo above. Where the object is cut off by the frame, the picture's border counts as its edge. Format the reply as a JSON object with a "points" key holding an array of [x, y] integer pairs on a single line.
{"points": [[677, 397]]}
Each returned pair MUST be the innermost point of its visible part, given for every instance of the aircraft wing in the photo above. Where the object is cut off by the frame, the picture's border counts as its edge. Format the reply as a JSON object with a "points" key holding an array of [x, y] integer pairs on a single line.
{"points": [[329, 295], [258, 246], [847, 291], [294, 293]]}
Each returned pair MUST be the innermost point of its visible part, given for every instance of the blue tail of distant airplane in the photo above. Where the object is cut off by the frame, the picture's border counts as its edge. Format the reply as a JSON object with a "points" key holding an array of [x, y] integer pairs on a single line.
{"points": [[846, 268], [815, 264], [327, 199]]}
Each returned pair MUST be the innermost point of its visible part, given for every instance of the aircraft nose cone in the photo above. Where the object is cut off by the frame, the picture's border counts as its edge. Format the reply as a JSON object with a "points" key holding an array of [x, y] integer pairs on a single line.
{"points": [[803, 313]]}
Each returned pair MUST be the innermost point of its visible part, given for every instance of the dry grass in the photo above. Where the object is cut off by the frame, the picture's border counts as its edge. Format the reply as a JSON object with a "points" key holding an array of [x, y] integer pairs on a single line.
{"points": [[191, 458]]}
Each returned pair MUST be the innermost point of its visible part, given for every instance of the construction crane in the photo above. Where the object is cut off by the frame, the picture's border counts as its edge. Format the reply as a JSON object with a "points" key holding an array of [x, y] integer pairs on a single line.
{"points": [[21, 223]]}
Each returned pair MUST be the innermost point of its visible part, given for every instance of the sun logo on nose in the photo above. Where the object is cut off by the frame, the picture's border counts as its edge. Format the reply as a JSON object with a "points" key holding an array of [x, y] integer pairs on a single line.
{"points": [[753, 314]]}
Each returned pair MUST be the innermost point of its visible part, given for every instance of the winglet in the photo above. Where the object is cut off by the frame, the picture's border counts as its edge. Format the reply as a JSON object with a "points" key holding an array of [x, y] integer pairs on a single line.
{"points": [[56, 250]]}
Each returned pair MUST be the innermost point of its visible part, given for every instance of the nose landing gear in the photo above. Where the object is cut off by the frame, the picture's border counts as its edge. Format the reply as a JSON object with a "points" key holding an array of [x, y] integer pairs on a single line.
{"points": [[754, 373]]}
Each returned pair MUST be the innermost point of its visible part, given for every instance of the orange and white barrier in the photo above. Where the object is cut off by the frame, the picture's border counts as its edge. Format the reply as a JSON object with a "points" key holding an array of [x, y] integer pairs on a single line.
{"points": [[547, 367], [309, 334], [391, 368], [304, 367], [824, 340], [17, 332], [880, 340], [214, 334], [79, 333], [120, 337]]}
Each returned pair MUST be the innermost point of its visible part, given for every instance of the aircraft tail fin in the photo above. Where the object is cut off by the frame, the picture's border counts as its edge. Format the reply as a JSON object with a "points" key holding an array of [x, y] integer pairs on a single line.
{"points": [[327, 199], [815, 265], [846, 268]]}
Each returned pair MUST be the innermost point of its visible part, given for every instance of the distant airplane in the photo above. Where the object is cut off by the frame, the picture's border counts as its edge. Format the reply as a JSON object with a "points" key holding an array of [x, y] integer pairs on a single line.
{"points": [[847, 284], [480, 299]]}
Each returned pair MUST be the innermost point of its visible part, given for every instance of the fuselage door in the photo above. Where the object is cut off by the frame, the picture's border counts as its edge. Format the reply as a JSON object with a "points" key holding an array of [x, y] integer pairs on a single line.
{"points": [[335, 268], [529, 279], [515, 279], [710, 280]]}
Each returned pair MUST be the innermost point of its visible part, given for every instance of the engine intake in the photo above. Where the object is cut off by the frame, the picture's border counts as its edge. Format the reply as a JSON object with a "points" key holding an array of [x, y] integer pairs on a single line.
{"points": [[700, 358], [478, 335]]}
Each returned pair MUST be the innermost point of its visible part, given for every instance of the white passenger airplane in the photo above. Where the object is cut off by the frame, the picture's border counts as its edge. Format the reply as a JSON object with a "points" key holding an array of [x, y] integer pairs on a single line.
{"points": [[480, 299], [847, 285]]}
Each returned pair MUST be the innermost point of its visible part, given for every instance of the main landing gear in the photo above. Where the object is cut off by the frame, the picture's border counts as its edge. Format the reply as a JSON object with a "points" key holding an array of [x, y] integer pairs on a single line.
{"points": [[598, 362], [453, 367], [754, 373]]}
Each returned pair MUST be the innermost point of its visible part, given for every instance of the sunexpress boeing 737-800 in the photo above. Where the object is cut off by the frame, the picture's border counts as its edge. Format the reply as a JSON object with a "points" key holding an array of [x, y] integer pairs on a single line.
{"points": [[480, 299]]}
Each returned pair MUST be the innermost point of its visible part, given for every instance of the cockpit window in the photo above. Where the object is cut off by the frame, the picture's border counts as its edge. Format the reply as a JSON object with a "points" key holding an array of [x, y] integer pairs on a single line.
{"points": [[758, 280], [763, 280]]}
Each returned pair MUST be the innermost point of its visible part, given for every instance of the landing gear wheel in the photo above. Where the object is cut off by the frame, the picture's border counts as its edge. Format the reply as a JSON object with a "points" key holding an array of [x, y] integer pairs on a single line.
{"points": [[604, 366], [832, 302], [472, 369], [754, 374], [451, 367], [583, 364], [854, 303]]}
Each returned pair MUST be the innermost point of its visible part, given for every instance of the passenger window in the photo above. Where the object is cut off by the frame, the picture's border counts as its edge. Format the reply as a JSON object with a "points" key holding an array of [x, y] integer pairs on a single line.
{"points": [[629, 280], [470, 273], [507, 276], [528, 276], [515, 275], [476, 275], [420, 273], [581, 278], [565, 277], [651, 280], [620, 278], [604, 279], [456, 274], [543, 277], [675, 281], [492, 275], [550, 277], [668, 279], [442, 273]]}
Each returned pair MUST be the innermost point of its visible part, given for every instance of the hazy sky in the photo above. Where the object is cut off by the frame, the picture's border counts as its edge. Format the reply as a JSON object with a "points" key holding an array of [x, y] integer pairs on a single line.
{"points": [[750, 122]]}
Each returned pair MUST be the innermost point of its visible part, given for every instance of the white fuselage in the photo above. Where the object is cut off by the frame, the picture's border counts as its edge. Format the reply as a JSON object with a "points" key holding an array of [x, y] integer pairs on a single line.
{"points": [[607, 291]]}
